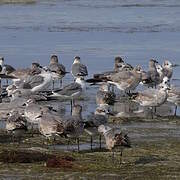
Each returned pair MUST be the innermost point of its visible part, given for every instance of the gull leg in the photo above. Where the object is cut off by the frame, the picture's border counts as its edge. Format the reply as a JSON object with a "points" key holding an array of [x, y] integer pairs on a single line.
{"points": [[113, 156], [71, 105], [152, 113], [78, 144], [91, 143], [175, 112], [100, 142], [60, 82], [53, 84], [112, 88], [121, 154]]}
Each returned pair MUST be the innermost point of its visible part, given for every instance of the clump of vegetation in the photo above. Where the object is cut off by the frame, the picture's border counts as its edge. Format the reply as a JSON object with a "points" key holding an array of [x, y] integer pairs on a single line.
{"points": [[19, 156], [60, 162]]}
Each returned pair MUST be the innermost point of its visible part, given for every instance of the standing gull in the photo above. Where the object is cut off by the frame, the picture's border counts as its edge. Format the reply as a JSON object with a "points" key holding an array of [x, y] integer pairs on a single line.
{"points": [[174, 97], [152, 97], [58, 70], [114, 138], [93, 121], [104, 95], [78, 69], [72, 90], [151, 78], [74, 125], [16, 124]]}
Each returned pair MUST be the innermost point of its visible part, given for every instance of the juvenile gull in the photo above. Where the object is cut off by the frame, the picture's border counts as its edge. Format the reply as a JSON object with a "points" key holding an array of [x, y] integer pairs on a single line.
{"points": [[93, 121], [104, 95], [58, 70], [120, 65], [78, 69], [114, 138], [16, 124], [151, 78], [50, 125], [74, 125]]}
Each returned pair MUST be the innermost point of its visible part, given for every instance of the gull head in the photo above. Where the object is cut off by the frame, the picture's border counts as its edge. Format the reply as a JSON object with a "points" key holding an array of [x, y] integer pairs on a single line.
{"points": [[54, 59], [77, 59], [167, 64]]}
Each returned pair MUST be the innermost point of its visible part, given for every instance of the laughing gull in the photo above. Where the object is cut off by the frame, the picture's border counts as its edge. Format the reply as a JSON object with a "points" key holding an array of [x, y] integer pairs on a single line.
{"points": [[78, 69], [126, 80], [119, 65], [16, 124], [40, 82], [93, 121], [151, 97], [58, 70], [123, 80], [72, 90], [104, 95], [114, 138]]}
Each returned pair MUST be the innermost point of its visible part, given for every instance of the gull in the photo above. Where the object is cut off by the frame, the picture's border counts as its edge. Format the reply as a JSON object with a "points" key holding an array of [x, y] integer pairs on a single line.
{"points": [[40, 82], [174, 97], [151, 78], [78, 69], [74, 125], [50, 125], [119, 65], [5, 68], [72, 90], [151, 97], [33, 111], [16, 124], [168, 68], [58, 70], [126, 80], [104, 95], [25, 93], [93, 121], [123, 80], [22, 74], [114, 138]]}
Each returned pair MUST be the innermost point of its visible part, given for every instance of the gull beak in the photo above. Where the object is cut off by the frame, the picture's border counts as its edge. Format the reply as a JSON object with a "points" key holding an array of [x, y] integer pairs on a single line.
{"points": [[111, 113], [175, 65]]}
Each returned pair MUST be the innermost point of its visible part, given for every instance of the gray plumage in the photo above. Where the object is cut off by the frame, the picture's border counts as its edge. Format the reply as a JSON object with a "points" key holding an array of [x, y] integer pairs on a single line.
{"points": [[78, 69]]}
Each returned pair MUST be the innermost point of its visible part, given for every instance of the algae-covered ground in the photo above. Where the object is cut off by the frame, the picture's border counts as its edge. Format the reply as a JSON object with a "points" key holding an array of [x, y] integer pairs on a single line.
{"points": [[155, 154]]}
